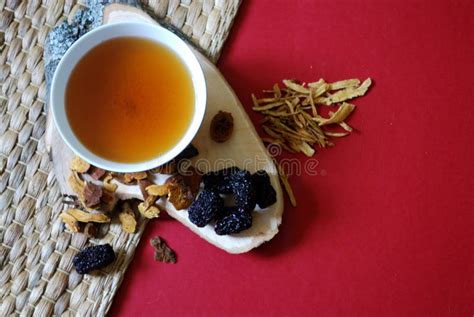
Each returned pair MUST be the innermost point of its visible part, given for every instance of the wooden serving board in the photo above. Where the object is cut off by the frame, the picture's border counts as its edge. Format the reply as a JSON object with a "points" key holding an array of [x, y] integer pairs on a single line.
{"points": [[244, 149]]}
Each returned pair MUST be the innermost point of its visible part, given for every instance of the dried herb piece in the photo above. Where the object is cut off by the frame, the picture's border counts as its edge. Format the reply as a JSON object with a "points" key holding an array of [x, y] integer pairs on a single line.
{"points": [[222, 125], [163, 252], [77, 184], [127, 218], [91, 194], [84, 216], [339, 116], [108, 200], [179, 193], [71, 222], [96, 172], [150, 212], [157, 190], [129, 178], [143, 184], [148, 209], [79, 165], [108, 185]]}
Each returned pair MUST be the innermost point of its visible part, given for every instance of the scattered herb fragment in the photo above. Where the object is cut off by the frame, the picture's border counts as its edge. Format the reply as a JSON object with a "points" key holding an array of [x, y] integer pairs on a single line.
{"points": [[91, 194], [96, 172], [163, 253]]}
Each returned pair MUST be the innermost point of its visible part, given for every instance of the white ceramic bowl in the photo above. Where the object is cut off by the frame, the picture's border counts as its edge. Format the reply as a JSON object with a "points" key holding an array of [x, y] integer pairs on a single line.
{"points": [[94, 38]]}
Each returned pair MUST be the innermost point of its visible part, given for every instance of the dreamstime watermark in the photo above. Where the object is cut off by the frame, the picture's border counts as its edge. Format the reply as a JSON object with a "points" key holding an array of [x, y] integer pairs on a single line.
{"points": [[290, 166]]}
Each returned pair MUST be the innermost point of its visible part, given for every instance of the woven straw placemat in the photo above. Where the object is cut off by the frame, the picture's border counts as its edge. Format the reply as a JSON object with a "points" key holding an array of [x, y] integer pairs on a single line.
{"points": [[36, 273]]}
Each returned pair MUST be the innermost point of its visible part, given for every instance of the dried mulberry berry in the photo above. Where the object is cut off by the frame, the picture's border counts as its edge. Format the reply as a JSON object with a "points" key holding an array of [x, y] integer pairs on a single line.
{"points": [[265, 193], [220, 180], [205, 208], [243, 190], [227, 210], [93, 258], [234, 223]]}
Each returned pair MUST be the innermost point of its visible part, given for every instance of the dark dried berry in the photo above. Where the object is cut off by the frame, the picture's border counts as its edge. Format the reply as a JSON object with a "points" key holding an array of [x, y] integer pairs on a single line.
{"points": [[243, 190], [220, 180], [93, 258], [265, 193], [224, 212], [234, 223], [205, 208], [222, 125]]}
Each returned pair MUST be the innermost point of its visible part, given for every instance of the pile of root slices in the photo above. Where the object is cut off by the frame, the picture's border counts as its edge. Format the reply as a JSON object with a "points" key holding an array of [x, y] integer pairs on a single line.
{"points": [[294, 114], [95, 201]]}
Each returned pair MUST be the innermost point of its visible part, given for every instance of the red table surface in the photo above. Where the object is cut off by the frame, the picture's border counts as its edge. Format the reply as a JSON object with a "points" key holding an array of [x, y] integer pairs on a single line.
{"points": [[386, 228]]}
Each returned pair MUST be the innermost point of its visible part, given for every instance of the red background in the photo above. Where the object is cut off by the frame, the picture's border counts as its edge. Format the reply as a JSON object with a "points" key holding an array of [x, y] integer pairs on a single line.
{"points": [[389, 229]]}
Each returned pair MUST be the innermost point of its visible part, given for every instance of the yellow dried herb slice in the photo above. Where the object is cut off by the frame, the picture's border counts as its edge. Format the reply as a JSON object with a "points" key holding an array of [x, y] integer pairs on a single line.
{"points": [[84, 216], [71, 222], [127, 218], [79, 165], [339, 116]]}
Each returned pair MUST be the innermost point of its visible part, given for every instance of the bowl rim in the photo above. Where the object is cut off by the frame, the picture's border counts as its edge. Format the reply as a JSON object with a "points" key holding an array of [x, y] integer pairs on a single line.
{"points": [[102, 34]]}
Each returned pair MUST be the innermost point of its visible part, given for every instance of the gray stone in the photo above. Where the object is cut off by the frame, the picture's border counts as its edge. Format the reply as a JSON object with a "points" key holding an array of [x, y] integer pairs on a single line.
{"points": [[64, 35]]}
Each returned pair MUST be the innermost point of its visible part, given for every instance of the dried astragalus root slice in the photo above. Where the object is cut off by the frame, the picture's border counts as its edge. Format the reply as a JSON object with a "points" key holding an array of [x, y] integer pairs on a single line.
{"points": [[71, 222], [108, 185], [79, 165], [148, 208], [339, 116], [84, 216], [129, 178], [157, 190], [349, 93], [127, 218], [149, 212], [293, 118], [77, 184], [344, 84]]}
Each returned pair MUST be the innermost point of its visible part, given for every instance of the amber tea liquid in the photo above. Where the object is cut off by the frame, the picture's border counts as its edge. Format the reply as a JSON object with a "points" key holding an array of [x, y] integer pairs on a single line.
{"points": [[129, 100]]}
